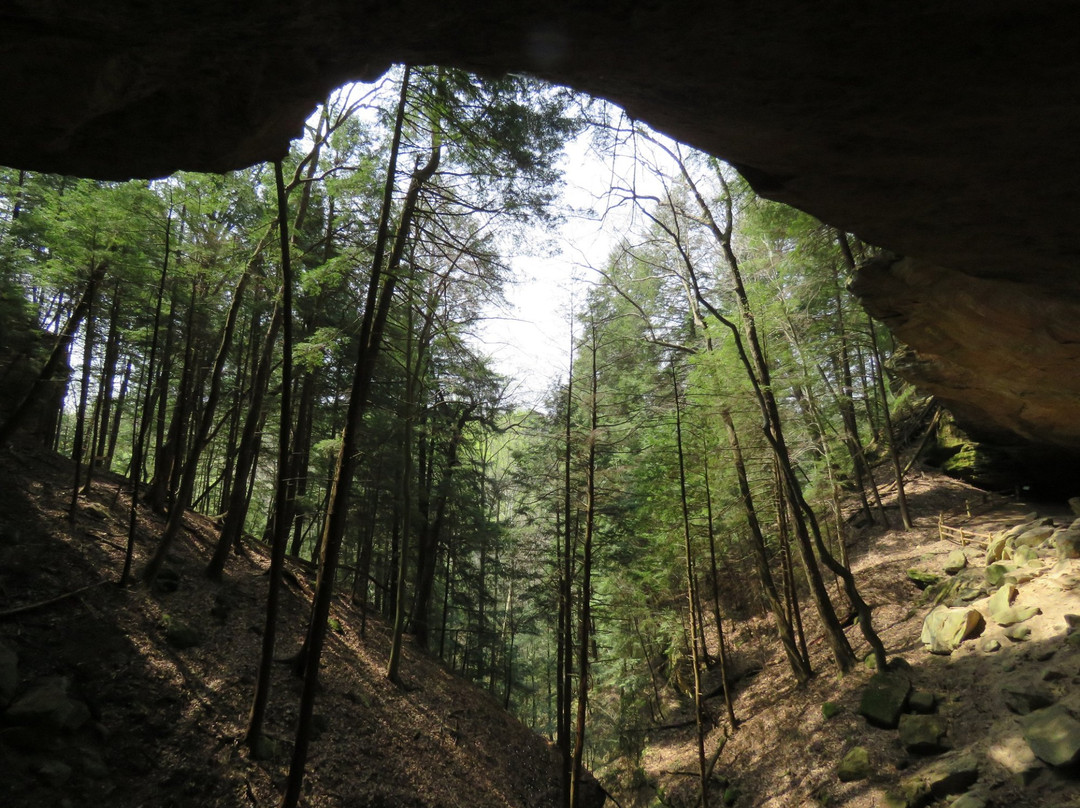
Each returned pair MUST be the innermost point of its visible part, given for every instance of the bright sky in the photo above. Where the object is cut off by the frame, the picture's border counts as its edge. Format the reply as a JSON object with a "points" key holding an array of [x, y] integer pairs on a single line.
{"points": [[530, 340]]}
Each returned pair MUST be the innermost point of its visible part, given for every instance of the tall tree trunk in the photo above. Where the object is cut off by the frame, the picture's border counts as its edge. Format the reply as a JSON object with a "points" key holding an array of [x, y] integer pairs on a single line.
{"points": [[692, 596], [261, 698], [425, 573], [890, 433], [240, 499], [800, 665], [721, 646], [585, 619], [161, 495], [80, 417], [566, 637], [375, 313], [139, 449], [59, 352], [807, 531], [189, 470]]}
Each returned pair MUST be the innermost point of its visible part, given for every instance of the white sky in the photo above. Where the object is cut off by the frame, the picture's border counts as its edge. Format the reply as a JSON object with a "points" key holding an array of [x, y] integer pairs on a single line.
{"points": [[530, 341]]}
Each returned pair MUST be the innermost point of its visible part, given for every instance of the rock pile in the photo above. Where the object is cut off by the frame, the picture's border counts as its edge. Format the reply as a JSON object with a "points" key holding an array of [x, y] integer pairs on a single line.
{"points": [[46, 732], [995, 594]]}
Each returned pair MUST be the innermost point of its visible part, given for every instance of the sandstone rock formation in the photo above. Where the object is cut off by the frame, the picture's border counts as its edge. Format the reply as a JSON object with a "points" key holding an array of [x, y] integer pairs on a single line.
{"points": [[942, 130]]}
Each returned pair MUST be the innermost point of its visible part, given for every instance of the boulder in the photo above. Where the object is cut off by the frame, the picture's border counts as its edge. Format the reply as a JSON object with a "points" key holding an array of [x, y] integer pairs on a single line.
{"points": [[995, 549], [1018, 633], [9, 674], [1067, 542], [922, 702], [945, 628], [923, 734], [922, 579], [1033, 537], [996, 572], [1053, 735], [951, 774], [1001, 610], [969, 801], [855, 765], [956, 561], [884, 698], [49, 705]]}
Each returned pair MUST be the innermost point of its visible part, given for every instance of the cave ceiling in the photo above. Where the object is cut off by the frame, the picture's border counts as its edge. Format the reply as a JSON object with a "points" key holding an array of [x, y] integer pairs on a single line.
{"points": [[945, 131]]}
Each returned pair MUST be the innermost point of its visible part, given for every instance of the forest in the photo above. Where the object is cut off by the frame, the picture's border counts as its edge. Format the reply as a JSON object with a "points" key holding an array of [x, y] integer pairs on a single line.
{"points": [[291, 349]]}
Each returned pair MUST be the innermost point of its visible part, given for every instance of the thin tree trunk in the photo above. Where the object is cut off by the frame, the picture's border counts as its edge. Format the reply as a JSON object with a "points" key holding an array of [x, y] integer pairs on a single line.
{"points": [[890, 433], [198, 441], [261, 698], [721, 646], [586, 588], [247, 452], [800, 665], [80, 417], [138, 451], [693, 598]]}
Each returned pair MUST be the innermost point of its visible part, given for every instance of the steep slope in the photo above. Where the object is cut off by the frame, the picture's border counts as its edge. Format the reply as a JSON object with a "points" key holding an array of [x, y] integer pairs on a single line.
{"points": [[786, 751], [137, 721]]}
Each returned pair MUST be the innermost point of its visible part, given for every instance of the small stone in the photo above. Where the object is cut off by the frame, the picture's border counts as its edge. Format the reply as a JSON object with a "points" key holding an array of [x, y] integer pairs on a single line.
{"points": [[1074, 505], [1053, 735], [923, 734], [956, 561], [884, 698], [830, 709], [1018, 633], [854, 766], [990, 645], [922, 702]]}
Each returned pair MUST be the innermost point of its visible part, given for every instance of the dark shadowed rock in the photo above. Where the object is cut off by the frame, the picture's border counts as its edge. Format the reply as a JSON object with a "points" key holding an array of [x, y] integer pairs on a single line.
{"points": [[884, 698]]}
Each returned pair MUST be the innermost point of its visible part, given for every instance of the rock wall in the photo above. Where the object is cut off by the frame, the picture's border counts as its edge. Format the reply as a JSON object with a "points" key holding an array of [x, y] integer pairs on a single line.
{"points": [[1003, 356]]}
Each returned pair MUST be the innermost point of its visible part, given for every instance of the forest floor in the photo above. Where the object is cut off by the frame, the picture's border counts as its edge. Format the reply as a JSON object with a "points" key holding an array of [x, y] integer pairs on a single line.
{"points": [[785, 752], [166, 725]]}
